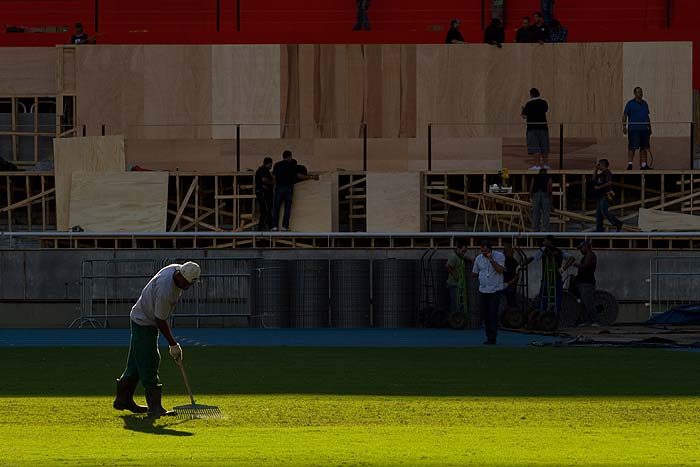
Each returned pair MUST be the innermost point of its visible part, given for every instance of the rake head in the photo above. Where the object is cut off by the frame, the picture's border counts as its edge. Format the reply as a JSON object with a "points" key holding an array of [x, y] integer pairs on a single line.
{"points": [[197, 411]]}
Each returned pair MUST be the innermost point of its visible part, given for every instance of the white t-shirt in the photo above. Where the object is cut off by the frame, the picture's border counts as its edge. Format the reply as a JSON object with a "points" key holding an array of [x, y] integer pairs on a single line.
{"points": [[158, 298], [489, 280]]}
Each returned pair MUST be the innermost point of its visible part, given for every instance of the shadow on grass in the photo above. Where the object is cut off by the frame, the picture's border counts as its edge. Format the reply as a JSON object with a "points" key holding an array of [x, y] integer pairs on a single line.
{"points": [[148, 425], [434, 372]]}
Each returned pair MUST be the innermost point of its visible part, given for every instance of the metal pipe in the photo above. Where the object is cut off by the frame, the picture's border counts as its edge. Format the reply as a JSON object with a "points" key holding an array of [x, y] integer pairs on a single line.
{"points": [[218, 15], [692, 145], [668, 14], [103, 129], [430, 147], [97, 15], [561, 146], [238, 148], [328, 235], [238, 15], [364, 146]]}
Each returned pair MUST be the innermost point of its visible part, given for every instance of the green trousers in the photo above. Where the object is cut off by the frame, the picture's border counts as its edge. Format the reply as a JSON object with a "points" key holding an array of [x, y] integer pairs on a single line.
{"points": [[144, 357]]}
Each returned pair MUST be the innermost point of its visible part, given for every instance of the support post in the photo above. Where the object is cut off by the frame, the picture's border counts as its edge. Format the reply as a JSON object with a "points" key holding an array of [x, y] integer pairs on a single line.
{"points": [[218, 15], [238, 15], [103, 129], [668, 14], [692, 145], [238, 148], [84, 130], [97, 16], [561, 146], [364, 147], [430, 147]]}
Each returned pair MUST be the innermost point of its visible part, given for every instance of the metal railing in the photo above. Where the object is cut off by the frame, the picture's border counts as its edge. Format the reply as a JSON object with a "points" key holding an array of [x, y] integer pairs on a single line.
{"points": [[109, 289]]}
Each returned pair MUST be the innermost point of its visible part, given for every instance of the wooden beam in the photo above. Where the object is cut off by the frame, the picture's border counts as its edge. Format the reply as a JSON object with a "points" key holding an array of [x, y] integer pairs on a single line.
{"points": [[179, 212], [28, 201]]}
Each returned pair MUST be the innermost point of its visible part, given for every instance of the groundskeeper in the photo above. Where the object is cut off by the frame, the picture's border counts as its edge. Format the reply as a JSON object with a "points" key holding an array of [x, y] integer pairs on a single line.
{"points": [[149, 315]]}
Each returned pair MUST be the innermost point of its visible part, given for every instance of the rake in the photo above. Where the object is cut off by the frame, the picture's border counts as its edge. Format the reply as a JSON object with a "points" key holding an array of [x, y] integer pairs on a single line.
{"points": [[194, 410]]}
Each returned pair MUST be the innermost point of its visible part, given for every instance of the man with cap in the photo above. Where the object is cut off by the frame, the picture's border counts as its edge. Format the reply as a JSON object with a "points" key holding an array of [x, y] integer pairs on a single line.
{"points": [[586, 282], [150, 315]]}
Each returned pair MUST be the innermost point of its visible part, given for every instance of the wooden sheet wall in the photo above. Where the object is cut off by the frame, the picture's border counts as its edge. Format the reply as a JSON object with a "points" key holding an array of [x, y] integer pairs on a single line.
{"points": [[319, 96]]}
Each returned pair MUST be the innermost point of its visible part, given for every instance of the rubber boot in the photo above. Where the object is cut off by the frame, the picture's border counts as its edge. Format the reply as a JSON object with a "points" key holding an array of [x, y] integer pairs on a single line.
{"points": [[153, 398], [125, 396]]}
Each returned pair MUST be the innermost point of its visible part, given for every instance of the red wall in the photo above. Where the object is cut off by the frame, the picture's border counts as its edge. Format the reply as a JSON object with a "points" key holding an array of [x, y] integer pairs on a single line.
{"points": [[330, 21]]}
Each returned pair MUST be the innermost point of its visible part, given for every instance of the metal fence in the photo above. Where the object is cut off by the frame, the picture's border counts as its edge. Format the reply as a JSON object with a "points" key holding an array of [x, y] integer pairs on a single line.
{"points": [[673, 281], [109, 288]]}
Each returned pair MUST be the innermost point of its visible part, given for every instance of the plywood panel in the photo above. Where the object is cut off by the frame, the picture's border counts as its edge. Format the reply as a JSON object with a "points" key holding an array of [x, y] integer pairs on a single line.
{"points": [[314, 205], [393, 202], [451, 88], [118, 69], [27, 71], [206, 156], [119, 202], [178, 89], [95, 154], [664, 71], [588, 88], [465, 153], [245, 83]]}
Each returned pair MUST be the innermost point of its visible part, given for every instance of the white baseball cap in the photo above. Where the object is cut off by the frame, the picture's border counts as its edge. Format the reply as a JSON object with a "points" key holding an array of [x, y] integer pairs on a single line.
{"points": [[190, 271]]}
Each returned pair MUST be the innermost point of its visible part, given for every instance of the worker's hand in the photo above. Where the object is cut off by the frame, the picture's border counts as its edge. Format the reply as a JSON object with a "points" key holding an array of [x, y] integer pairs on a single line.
{"points": [[176, 352]]}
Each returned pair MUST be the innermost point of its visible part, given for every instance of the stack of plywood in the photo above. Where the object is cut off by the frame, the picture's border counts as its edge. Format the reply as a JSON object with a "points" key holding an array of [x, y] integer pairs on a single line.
{"points": [[94, 192]]}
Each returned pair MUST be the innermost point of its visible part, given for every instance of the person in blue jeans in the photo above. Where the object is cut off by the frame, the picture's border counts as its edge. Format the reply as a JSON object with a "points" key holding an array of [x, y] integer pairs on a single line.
{"points": [[637, 126], [286, 174], [602, 185], [547, 8]]}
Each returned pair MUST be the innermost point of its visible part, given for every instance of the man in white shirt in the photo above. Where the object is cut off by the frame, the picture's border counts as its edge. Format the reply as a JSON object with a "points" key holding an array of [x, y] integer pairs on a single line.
{"points": [[149, 315], [489, 267]]}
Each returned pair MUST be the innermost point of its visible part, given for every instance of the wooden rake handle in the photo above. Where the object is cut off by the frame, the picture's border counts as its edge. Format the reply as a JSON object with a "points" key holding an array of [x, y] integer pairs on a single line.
{"points": [[184, 378]]}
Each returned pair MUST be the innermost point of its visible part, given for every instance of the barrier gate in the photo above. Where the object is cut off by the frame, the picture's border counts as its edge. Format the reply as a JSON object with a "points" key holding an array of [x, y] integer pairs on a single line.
{"points": [[673, 281], [109, 288]]}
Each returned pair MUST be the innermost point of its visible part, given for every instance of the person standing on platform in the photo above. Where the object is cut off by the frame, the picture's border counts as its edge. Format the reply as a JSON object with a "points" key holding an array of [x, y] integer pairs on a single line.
{"points": [[547, 7], [541, 28], [495, 34], [586, 282], [149, 316], [264, 190], [285, 173], [510, 275], [526, 34], [541, 190], [362, 16], [602, 185], [554, 262], [637, 126], [455, 272], [453, 35], [498, 9], [489, 267], [535, 112], [558, 33]]}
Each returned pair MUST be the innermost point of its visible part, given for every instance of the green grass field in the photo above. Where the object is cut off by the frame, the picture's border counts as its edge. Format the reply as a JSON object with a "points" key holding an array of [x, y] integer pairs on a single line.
{"points": [[342, 407]]}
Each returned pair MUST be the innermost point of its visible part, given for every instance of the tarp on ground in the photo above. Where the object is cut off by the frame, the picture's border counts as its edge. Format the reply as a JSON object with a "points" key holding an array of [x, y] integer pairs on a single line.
{"points": [[686, 314], [651, 220]]}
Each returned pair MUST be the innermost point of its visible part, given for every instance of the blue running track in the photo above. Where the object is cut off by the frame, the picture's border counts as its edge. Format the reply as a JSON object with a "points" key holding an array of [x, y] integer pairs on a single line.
{"points": [[269, 338]]}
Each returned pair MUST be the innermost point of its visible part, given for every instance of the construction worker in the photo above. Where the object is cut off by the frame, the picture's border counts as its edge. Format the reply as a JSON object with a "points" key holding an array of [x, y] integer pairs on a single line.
{"points": [[148, 316], [455, 272], [554, 262]]}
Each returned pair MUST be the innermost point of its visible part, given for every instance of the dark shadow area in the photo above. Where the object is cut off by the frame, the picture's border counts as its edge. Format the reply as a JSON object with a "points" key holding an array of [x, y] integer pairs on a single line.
{"points": [[145, 424], [495, 372]]}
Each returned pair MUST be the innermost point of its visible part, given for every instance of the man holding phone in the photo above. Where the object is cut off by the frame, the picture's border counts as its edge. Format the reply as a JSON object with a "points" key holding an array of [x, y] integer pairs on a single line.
{"points": [[489, 267]]}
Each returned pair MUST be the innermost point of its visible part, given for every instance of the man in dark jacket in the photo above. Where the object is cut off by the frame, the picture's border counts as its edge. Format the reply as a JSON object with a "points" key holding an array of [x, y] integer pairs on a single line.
{"points": [[453, 35], [264, 188]]}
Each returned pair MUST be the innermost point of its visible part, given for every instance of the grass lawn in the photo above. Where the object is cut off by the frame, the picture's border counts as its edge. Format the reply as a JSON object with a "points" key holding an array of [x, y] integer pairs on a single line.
{"points": [[342, 407]]}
